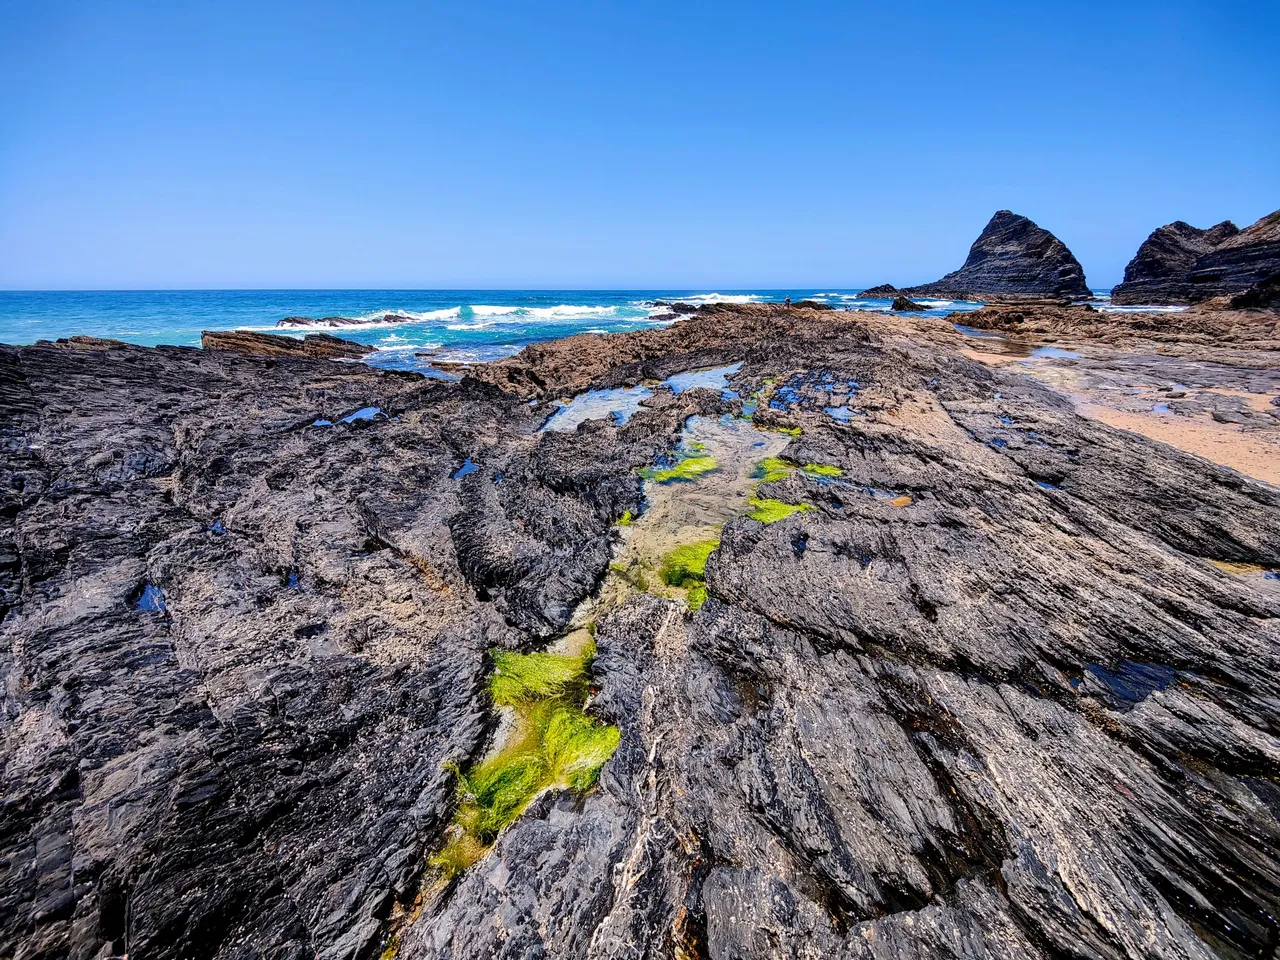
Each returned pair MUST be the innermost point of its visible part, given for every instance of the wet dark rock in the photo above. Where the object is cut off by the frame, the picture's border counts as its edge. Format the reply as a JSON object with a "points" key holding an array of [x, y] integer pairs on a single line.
{"points": [[683, 308], [1160, 272], [903, 305], [1017, 715], [885, 291], [318, 346], [1012, 257], [814, 305]]}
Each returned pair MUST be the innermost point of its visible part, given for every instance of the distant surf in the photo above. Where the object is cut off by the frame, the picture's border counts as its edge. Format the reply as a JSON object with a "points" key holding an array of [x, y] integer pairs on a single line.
{"points": [[412, 329]]}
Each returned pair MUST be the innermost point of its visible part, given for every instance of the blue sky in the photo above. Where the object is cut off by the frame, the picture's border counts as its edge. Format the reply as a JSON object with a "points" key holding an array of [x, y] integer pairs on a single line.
{"points": [[708, 145]]}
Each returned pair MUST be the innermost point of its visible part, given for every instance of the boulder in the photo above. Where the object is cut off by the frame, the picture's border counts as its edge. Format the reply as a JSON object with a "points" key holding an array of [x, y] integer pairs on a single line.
{"points": [[1160, 271], [1012, 257], [902, 304]]}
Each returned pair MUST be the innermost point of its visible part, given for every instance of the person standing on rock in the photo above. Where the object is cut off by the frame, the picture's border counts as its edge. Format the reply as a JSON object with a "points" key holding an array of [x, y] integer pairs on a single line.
{"points": [[787, 301]]}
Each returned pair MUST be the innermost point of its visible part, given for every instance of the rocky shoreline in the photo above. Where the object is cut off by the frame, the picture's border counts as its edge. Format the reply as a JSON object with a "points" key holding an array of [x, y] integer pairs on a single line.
{"points": [[1000, 680]]}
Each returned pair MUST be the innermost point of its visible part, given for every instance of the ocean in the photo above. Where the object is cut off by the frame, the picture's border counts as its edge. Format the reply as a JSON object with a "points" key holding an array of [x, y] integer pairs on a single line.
{"points": [[454, 325]]}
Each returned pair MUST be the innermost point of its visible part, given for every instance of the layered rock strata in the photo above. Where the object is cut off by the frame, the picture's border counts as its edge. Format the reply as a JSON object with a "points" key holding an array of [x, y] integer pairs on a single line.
{"points": [[995, 692], [1012, 257], [1160, 271]]}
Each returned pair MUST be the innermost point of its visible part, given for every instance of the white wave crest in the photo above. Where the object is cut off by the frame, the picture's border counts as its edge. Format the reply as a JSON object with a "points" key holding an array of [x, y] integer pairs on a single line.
{"points": [[720, 298]]}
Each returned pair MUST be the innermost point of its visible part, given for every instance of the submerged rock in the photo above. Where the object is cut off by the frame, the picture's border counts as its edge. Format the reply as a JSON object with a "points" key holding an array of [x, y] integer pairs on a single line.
{"points": [[1012, 257], [1160, 272]]}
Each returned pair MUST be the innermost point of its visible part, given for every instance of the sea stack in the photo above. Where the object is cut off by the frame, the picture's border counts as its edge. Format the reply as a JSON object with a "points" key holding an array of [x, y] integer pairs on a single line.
{"points": [[1160, 272], [1012, 257]]}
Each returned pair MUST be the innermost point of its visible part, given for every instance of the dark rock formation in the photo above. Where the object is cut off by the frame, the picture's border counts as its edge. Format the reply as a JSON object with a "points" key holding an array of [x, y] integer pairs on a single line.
{"points": [[1012, 257], [1018, 715], [1161, 269], [318, 346], [903, 305], [1249, 257], [1263, 295], [886, 291], [814, 305]]}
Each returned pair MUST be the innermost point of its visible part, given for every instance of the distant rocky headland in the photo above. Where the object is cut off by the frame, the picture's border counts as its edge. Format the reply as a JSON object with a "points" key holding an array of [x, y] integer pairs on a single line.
{"points": [[1179, 264], [774, 631]]}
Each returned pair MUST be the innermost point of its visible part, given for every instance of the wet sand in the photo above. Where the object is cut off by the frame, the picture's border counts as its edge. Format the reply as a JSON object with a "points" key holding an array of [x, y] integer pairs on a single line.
{"points": [[1213, 410]]}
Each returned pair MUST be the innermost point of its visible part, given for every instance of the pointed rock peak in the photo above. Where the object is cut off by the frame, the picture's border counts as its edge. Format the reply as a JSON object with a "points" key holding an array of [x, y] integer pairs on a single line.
{"points": [[1012, 257]]}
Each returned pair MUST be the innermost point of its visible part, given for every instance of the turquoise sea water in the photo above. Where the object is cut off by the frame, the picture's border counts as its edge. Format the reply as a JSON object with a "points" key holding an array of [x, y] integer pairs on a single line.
{"points": [[457, 325]]}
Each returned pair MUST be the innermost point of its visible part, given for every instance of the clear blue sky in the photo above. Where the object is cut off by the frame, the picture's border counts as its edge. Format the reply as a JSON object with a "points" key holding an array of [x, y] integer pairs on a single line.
{"points": [[683, 144]]}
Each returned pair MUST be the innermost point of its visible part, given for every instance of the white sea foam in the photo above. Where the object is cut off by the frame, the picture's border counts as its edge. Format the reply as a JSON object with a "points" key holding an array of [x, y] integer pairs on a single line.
{"points": [[720, 298], [1140, 308], [488, 314]]}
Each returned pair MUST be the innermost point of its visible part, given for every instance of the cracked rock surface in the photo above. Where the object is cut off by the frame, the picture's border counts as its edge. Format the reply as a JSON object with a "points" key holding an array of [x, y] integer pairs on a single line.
{"points": [[1008, 689]]}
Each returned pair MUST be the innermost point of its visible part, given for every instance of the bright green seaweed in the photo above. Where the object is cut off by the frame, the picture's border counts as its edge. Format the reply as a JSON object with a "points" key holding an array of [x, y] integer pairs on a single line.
{"points": [[771, 511], [688, 562], [553, 744], [690, 468]]}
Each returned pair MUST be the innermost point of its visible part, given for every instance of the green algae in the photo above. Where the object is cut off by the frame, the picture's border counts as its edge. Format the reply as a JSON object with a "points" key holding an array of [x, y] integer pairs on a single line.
{"points": [[627, 519], [771, 511], [822, 470], [697, 596], [520, 678], [690, 468], [552, 744], [688, 562], [771, 469]]}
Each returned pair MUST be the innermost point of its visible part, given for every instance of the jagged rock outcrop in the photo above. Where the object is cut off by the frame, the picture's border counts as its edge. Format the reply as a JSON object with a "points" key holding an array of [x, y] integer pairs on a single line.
{"points": [[903, 305], [987, 696], [317, 346], [1012, 257], [1160, 272], [885, 291], [1249, 257]]}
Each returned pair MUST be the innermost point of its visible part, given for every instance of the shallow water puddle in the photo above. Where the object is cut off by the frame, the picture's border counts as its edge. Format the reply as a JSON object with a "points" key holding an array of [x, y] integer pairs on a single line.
{"points": [[1004, 346], [466, 469], [150, 600], [620, 404], [1251, 570], [689, 511], [717, 378], [364, 413]]}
